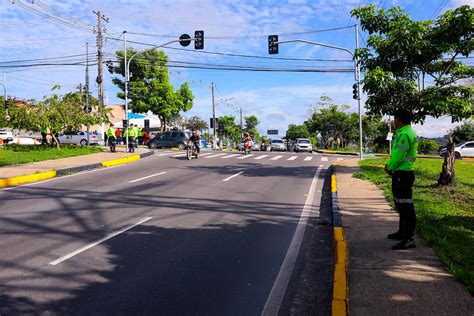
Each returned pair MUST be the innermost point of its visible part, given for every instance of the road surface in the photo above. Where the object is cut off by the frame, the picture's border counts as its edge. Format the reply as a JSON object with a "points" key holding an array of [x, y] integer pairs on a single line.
{"points": [[166, 236]]}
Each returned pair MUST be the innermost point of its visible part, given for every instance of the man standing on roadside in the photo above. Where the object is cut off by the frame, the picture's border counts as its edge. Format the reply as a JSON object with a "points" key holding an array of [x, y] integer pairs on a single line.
{"points": [[400, 167]]}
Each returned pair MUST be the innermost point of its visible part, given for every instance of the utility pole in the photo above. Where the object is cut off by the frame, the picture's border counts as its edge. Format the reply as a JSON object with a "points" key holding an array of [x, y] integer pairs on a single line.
{"points": [[125, 128], [214, 140], [100, 96], [241, 127], [357, 77], [87, 89]]}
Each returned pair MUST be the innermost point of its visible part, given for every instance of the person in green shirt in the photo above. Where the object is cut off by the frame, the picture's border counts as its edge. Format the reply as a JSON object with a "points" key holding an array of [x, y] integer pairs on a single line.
{"points": [[400, 168], [110, 134]]}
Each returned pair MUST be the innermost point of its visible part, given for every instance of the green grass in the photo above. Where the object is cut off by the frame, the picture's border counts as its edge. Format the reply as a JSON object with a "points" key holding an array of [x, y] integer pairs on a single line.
{"points": [[445, 215], [19, 154]]}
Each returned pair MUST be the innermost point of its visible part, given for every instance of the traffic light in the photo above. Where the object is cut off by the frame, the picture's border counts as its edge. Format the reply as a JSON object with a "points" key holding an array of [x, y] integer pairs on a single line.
{"points": [[199, 40], [273, 44], [221, 127], [110, 66], [355, 91], [212, 122]]}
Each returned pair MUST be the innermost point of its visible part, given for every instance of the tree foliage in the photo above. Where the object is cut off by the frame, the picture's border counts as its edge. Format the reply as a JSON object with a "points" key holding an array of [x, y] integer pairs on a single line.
{"points": [[402, 54], [251, 123], [296, 131], [150, 87], [197, 123], [426, 146], [464, 132]]}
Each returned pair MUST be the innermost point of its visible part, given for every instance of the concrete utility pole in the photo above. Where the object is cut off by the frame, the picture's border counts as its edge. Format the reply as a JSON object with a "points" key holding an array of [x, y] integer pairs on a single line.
{"points": [[214, 140], [125, 86], [241, 126], [357, 78], [87, 89], [100, 95]]}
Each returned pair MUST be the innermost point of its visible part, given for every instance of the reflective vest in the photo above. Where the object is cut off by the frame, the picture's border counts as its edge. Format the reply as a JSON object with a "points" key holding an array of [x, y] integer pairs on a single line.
{"points": [[139, 132], [111, 132], [404, 150]]}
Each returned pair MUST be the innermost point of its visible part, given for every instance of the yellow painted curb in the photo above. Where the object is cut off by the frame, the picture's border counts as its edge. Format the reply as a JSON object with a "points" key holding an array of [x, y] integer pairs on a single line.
{"points": [[174, 148], [27, 178], [133, 158], [340, 282], [114, 162], [333, 183]]}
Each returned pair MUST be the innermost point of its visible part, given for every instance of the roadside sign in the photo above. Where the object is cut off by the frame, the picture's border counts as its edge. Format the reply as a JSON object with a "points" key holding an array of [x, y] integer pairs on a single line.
{"points": [[185, 40], [272, 132], [389, 136]]}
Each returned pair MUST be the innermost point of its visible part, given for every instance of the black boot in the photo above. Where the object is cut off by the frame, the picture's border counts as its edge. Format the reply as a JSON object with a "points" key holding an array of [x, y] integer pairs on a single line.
{"points": [[405, 244], [395, 236]]}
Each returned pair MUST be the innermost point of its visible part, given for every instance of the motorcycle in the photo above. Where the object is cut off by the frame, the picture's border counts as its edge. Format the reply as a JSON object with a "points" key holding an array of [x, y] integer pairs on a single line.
{"points": [[248, 147], [191, 151]]}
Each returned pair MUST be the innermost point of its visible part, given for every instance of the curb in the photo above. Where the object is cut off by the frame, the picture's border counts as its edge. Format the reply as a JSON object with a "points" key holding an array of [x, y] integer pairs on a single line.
{"points": [[340, 294], [14, 181], [332, 152]]}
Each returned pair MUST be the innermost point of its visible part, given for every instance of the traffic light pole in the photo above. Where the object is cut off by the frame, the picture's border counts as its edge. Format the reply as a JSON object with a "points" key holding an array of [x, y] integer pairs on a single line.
{"points": [[273, 41]]}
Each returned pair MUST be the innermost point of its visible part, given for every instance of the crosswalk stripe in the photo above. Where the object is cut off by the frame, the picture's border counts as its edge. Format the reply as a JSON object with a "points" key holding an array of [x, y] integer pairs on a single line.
{"points": [[339, 159], [276, 158], [308, 158], [205, 154], [179, 155], [246, 156], [230, 156], [217, 155], [260, 157], [324, 158], [292, 158]]}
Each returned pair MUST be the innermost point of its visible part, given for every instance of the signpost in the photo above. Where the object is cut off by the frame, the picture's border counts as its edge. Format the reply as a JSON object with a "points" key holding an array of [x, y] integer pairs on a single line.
{"points": [[272, 132]]}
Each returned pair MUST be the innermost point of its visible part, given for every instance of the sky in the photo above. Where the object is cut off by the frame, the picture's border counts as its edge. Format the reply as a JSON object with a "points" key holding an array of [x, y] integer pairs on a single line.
{"points": [[234, 30]]}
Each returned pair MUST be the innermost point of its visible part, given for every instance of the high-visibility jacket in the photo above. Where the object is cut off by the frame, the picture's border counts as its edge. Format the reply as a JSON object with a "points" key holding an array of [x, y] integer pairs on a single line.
{"points": [[404, 150], [111, 132], [139, 132], [133, 133]]}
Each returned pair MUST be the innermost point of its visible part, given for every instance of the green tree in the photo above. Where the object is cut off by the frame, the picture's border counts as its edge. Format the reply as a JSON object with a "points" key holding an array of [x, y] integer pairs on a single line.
{"points": [[296, 131], [374, 132], [402, 53], [251, 123], [231, 129], [197, 123], [150, 86], [426, 146], [464, 132]]}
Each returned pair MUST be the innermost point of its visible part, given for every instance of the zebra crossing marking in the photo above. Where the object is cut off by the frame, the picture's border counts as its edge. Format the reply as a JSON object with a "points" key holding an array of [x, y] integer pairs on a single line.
{"points": [[246, 156], [231, 156], [260, 157], [308, 158], [217, 155], [324, 158], [276, 158], [293, 158]]}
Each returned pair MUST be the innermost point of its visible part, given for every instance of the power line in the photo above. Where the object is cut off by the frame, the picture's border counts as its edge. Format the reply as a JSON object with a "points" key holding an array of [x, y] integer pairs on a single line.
{"points": [[47, 58], [248, 36]]}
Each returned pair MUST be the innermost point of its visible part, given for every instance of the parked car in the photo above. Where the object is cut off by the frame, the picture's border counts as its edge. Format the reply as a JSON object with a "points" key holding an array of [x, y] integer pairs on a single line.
{"points": [[6, 135], [78, 138], [278, 145], [303, 144], [464, 149], [169, 139]]}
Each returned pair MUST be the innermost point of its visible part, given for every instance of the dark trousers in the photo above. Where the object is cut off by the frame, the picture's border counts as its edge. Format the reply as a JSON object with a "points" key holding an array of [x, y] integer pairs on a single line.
{"points": [[402, 189]]}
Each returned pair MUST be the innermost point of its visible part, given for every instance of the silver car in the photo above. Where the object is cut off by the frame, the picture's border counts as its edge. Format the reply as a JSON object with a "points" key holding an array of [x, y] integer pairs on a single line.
{"points": [[303, 144], [278, 145], [464, 149], [78, 138]]}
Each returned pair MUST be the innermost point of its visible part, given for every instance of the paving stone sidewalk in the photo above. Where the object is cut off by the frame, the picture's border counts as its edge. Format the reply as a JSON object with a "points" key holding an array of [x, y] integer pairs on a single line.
{"points": [[383, 281]]}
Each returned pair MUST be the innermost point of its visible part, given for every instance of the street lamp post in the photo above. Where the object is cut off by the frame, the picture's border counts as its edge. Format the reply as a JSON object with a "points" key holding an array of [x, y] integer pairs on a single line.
{"points": [[356, 70], [185, 40], [5, 101]]}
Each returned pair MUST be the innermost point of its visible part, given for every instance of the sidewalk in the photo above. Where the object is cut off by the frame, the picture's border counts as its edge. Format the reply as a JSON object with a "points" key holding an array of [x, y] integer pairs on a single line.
{"points": [[64, 163], [383, 281]]}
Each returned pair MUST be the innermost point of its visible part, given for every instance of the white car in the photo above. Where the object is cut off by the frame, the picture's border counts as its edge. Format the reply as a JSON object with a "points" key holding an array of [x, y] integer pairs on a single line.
{"points": [[278, 145], [464, 149], [303, 144], [78, 138], [6, 134]]}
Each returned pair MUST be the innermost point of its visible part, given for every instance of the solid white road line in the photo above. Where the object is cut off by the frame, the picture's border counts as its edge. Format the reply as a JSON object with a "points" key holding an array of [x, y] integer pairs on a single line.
{"points": [[89, 246], [260, 157], [292, 158], [230, 156], [218, 155], [274, 300], [276, 158], [324, 158], [245, 156], [233, 176], [153, 175], [308, 158]]}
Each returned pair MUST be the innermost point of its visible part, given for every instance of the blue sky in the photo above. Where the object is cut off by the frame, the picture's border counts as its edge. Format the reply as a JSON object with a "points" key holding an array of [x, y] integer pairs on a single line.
{"points": [[231, 26]]}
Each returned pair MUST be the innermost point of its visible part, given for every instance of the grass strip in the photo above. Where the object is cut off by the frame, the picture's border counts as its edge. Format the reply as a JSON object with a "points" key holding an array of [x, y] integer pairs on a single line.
{"points": [[445, 215], [20, 154]]}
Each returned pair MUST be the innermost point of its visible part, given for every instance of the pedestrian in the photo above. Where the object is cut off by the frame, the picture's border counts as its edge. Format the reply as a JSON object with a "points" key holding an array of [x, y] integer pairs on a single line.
{"points": [[400, 167], [118, 137]]}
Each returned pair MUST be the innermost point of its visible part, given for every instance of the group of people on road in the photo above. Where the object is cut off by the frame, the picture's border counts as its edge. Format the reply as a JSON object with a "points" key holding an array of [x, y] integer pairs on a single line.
{"points": [[134, 133]]}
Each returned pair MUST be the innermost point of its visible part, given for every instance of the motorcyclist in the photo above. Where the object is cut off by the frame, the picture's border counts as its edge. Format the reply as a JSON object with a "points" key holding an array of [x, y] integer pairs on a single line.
{"points": [[195, 139], [247, 140]]}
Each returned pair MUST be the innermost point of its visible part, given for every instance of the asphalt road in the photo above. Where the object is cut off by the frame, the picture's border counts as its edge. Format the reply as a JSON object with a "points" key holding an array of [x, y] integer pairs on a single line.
{"points": [[167, 236]]}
